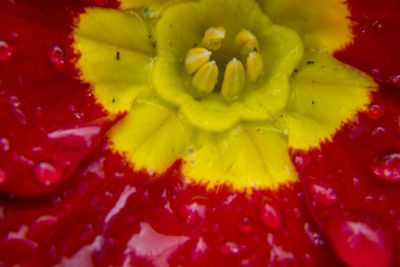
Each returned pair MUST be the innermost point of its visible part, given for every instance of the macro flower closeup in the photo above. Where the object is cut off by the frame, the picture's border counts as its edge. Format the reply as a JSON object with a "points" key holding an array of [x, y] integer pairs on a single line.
{"points": [[199, 133]]}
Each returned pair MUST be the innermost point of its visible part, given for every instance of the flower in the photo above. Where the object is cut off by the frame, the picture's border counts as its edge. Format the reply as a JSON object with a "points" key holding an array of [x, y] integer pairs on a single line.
{"points": [[142, 161]]}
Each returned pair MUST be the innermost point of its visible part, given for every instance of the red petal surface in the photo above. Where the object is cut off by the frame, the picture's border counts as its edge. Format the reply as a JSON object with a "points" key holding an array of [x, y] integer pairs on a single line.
{"points": [[44, 110], [357, 207]]}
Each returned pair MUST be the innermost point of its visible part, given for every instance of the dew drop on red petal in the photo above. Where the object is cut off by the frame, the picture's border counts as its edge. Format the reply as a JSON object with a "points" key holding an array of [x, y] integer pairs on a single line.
{"points": [[229, 248], [47, 174], [200, 249], [387, 167], [192, 212], [4, 144], [14, 101], [75, 138], [301, 159], [359, 241], [270, 216], [314, 236], [378, 130], [245, 225], [39, 112], [20, 116], [56, 56], [368, 199], [356, 181], [44, 222], [296, 213], [323, 194], [375, 111], [394, 79], [5, 51], [3, 177]]}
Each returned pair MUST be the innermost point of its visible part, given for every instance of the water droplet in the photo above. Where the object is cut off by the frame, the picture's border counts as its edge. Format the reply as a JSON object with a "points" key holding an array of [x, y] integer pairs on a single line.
{"points": [[97, 168], [39, 112], [387, 166], [5, 51], [270, 216], [3, 177], [229, 248], [301, 159], [296, 213], [359, 241], [154, 246], [200, 249], [368, 199], [354, 130], [21, 237], [245, 263], [47, 174], [14, 101], [24, 160], [313, 235], [375, 111], [56, 56], [245, 225], [356, 181], [44, 222], [376, 72], [378, 130], [76, 138], [323, 194], [395, 79], [14, 35], [193, 212], [4, 144], [382, 197], [281, 257], [20, 116]]}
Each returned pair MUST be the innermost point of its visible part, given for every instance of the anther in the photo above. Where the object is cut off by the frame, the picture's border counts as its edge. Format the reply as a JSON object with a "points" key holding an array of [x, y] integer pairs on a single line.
{"points": [[213, 38], [254, 66], [206, 78], [195, 58], [246, 41], [234, 80]]}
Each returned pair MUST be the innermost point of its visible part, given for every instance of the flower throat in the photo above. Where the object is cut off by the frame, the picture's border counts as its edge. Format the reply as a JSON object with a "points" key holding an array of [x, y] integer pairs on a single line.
{"points": [[218, 59]]}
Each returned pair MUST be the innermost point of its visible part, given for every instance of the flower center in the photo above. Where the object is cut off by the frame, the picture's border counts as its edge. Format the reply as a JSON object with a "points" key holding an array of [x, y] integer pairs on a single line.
{"points": [[206, 72], [217, 84]]}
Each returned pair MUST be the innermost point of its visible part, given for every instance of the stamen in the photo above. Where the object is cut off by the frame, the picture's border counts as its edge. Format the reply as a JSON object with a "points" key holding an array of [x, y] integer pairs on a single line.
{"points": [[234, 80], [206, 77], [254, 66], [246, 41], [195, 58], [213, 38]]}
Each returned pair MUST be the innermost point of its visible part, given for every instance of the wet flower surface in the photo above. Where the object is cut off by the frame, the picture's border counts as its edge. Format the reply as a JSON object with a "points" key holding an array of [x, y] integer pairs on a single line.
{"points": [[221, 133]]}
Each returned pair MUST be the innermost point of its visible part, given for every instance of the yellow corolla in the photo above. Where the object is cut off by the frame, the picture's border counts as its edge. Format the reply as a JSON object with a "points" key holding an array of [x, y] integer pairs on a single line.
{"points": [[226, 85]]}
